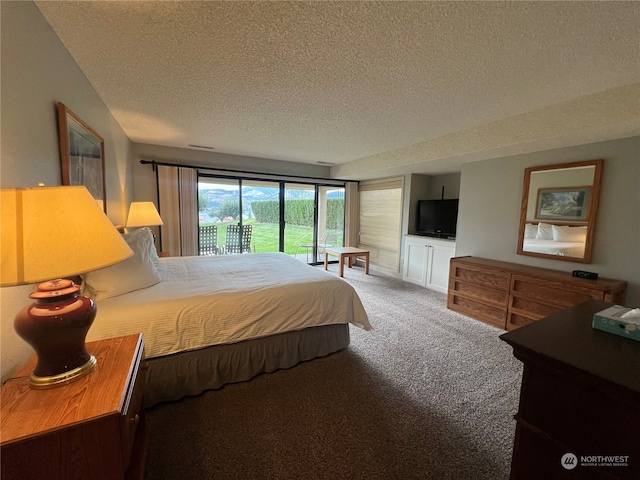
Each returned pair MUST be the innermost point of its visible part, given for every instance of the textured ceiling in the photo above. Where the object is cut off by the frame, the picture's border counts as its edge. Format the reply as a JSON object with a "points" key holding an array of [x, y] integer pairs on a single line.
{"points": [[370, 86]]}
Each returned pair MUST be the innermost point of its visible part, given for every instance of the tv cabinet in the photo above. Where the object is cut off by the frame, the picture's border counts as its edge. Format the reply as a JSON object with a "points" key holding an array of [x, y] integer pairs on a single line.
{"points": [[509, 295], [426, 261]]}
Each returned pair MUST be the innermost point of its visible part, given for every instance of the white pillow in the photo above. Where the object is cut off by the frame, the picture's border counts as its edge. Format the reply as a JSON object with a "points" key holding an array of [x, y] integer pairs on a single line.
{"points": [[569, 234], [544, 231], [530, 230], [135, 273]]}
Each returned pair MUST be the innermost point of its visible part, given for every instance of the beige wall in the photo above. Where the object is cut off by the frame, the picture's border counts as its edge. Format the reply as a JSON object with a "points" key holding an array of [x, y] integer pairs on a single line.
{"points": [[145, 186], [491, 194], [37, 72]]}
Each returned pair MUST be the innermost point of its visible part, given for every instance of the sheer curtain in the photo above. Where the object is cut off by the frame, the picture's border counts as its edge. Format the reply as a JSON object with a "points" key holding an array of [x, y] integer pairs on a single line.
{"points": [[178, 203]]}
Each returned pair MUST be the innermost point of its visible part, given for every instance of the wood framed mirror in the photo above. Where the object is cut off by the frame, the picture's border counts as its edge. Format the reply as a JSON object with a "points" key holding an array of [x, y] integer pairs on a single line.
{"points": [[558, 212], [81, 155]]}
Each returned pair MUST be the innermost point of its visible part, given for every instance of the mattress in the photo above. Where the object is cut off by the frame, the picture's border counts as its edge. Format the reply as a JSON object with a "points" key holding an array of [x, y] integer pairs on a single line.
{"points": [[217, 300]]}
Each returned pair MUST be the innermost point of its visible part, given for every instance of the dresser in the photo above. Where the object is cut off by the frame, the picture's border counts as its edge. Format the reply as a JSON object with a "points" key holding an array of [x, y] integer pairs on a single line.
{"points": [[92, 428], [509, 295], [578, 416]]}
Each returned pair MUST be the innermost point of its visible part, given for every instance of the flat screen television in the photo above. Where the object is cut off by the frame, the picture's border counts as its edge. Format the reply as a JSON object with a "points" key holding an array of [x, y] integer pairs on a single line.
{"points": [[438, 218]]}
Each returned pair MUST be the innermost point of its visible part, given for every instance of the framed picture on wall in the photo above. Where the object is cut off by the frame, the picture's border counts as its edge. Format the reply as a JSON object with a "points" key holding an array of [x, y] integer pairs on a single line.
{"points": [[81, 155], [563, 204]]}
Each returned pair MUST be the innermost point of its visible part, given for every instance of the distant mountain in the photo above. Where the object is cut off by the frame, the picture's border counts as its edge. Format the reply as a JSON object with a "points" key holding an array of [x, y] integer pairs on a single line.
{"points": [[216, 196]]}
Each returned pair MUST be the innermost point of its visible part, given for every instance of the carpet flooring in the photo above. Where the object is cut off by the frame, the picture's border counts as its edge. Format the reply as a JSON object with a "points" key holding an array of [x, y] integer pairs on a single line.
{"points": [[428, 394]]}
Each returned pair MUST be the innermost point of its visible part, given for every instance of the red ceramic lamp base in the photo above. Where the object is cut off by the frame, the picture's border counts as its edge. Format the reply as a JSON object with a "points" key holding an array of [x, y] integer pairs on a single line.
{"points": [[56, 326]]}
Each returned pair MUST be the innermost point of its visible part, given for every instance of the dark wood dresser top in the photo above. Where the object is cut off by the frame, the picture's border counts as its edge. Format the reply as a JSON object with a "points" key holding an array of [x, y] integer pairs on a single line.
{"points": [[568, 338]]}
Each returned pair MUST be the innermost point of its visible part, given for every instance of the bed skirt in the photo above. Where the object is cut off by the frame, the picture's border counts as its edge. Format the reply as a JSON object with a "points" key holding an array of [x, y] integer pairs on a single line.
{"points": [[190, 373]]}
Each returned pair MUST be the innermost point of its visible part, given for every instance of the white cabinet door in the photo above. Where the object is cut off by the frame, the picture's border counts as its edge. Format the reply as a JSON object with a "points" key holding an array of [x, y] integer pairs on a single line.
{"points": [[415, 261], [438, 257], [426, 262]]}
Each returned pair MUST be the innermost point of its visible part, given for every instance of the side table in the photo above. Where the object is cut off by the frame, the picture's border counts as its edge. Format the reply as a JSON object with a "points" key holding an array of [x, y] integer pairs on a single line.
{"points": [[348, 253], [92, 428]]}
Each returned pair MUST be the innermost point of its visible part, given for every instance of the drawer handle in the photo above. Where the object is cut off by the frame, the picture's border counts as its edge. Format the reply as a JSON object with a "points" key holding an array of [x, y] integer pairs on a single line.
{"points": [[136, 420]]}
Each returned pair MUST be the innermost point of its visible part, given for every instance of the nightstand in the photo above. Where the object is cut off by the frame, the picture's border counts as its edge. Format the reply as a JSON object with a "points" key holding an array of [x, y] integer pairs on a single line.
{"points": [[93, 428]]}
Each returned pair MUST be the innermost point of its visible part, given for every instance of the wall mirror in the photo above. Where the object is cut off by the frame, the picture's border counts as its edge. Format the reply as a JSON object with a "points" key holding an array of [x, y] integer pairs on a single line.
{"points": [[558, 212], [81, 155]]}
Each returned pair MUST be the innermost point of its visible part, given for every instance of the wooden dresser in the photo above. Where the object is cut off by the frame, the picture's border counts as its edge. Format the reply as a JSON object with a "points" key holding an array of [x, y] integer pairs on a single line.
{"points": [[578, 416], [90, 429], [508, 295]]}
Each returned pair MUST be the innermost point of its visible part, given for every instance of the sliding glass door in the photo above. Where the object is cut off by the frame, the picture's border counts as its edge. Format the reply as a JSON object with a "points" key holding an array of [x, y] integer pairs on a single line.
{"points": [[330, 219], [261, 213], [299, 219], [218, 207]]}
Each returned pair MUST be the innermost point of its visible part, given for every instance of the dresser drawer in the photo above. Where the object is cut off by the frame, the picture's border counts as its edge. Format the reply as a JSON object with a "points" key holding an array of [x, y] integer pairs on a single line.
{"points": [[538, 458], [554, 402], [495, 315], [515, 320], [531, 307], [551, 292], [486, 277], [485, 295]]}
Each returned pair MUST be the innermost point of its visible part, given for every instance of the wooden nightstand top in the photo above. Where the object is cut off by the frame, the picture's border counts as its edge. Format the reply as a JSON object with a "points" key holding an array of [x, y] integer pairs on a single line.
{"points": [[26, 412]]}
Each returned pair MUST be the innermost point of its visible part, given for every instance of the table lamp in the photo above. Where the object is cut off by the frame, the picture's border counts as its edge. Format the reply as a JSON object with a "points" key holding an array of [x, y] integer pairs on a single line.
{"points": [[49, 233], [143, 214]]}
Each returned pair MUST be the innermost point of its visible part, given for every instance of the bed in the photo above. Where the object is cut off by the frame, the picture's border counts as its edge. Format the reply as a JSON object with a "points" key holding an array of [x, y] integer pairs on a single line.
{"points": [[209, 321]]}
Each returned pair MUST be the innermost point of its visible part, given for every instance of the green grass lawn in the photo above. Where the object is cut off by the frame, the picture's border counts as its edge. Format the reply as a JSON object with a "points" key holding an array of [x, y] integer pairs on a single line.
{"points": [[264, 237]]}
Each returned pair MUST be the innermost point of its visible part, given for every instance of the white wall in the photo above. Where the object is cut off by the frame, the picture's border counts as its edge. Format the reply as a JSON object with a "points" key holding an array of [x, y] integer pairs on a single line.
{"points": [[491, 195], [37, 72]]}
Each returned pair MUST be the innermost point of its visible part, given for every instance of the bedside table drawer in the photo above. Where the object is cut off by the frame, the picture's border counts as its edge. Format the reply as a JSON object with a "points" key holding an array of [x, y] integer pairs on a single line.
{"points": [[133, 418]]}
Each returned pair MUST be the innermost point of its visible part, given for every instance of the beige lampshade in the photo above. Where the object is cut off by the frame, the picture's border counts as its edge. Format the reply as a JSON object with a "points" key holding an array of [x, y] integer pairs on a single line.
{"points": [[143, 214], [55, 232]]}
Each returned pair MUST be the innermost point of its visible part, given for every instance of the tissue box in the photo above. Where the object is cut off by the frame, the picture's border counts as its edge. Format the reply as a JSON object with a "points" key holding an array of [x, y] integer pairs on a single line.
{"points": [[612, 320]]}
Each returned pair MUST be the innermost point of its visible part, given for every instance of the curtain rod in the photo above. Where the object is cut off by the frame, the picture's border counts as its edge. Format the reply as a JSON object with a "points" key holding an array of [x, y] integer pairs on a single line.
{"points": [[249, 172]]}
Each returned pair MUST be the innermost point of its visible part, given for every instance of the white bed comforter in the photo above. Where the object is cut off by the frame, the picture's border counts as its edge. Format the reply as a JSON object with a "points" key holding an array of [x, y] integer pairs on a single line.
{"points": [[213, 300], [567, 249]]}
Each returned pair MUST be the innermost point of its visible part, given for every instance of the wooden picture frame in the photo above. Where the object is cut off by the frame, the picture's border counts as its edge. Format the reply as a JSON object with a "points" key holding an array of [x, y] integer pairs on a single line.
{"points": [[568, 204], [81, 155]]}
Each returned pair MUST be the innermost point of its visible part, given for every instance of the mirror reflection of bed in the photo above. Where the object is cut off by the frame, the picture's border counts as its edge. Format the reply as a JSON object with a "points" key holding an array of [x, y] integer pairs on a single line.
{"points": [[550, 239], [558, 212]]}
